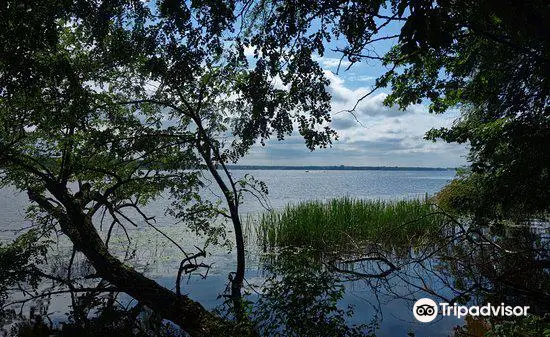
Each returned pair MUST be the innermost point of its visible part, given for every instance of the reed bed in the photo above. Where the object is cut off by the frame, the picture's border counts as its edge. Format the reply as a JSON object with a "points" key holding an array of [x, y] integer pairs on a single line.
{"points": [[346, 221]]}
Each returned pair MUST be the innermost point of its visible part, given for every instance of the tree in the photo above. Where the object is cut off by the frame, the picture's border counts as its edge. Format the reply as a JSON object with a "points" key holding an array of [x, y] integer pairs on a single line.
{"points": [[496, 57], [106, 105], [489, 59]]}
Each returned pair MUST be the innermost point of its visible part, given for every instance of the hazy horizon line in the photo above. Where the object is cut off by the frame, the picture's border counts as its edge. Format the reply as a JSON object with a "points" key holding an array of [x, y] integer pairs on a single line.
{"points": [[337, 167]]}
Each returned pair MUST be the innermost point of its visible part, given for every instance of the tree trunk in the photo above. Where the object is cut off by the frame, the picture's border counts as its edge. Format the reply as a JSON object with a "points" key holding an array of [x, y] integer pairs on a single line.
{"points": [[238, 280], [191, 316]]}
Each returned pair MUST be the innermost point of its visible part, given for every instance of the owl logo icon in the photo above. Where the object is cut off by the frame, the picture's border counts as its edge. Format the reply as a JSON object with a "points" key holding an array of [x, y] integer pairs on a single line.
{"points": [[425, 310]]}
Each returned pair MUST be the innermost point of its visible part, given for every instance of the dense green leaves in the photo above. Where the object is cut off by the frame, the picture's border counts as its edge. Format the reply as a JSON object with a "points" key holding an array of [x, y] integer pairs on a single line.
{"points": [[495, 63], [105, 106], [111, 94], [20, 261], [488, 59]]}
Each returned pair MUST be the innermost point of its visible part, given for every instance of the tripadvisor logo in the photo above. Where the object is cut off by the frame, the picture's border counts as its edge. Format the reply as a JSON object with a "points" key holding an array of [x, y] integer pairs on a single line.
{"points": [[425, 310]]}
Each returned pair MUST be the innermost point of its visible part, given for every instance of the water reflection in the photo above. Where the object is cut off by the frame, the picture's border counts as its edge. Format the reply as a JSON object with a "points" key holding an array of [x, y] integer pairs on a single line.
{"points": [[300, 298], [469, 266], [302, 292]]}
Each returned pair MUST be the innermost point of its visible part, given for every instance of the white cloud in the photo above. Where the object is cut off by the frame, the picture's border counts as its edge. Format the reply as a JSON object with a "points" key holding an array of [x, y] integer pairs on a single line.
{"points": [[332, 62], [249, 51], [363, 78], [344, 98], [373, 135]]}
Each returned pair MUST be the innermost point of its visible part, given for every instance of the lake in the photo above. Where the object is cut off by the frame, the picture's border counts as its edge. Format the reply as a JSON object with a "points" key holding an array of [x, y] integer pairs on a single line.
{"points": [[387, 302], [287, 187]]}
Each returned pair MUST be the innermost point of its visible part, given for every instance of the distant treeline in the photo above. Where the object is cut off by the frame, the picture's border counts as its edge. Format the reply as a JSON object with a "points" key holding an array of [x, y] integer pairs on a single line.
{"points": [[340, 168]]}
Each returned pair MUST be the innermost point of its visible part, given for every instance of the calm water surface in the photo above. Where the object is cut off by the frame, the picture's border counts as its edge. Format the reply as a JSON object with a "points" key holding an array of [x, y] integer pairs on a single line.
{"points": [[293, 186]]}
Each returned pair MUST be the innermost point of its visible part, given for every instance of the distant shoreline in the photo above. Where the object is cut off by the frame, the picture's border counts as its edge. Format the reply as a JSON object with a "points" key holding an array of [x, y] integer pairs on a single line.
{"points": [[339, 168]]}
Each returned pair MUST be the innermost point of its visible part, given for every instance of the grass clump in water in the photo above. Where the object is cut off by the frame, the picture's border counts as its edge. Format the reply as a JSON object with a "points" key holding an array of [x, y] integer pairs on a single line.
{"points": [[345, 221]]}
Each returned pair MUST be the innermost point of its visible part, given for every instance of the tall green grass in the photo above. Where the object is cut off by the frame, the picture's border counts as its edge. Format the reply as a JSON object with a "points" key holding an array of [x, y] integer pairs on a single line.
{"points": [[347, 221]]}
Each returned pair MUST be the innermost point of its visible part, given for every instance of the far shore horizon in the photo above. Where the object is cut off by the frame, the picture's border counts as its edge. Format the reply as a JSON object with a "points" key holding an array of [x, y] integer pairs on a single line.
{"points": [[338, 168]]}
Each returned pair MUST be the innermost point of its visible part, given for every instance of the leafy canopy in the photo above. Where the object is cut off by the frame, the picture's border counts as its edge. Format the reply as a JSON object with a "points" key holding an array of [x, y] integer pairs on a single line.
{"points": [[489, 59], [106, 105], [110, 96]]}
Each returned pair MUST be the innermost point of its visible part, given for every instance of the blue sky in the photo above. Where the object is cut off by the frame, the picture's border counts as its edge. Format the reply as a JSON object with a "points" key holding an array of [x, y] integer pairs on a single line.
{"points": [[382, 137]]}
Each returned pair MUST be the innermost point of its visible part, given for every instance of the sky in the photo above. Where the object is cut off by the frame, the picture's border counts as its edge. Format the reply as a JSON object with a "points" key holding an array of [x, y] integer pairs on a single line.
{"points": [[376, 135]]}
